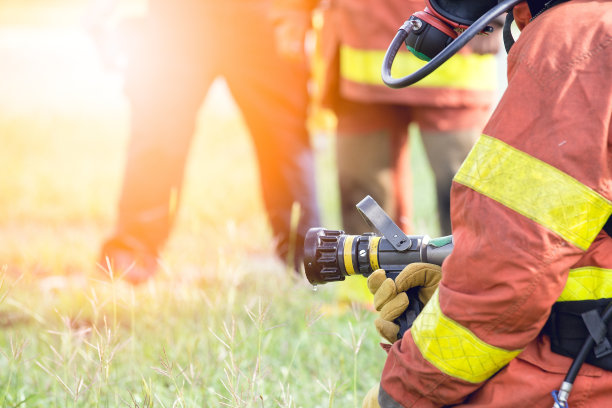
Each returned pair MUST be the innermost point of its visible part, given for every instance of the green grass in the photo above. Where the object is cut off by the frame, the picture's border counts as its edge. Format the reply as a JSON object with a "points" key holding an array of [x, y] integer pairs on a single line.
{"points": [[222, 324]]}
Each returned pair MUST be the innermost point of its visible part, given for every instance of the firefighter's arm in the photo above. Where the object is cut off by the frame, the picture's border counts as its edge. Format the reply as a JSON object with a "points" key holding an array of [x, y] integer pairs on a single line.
{"points": [[515, 237]]}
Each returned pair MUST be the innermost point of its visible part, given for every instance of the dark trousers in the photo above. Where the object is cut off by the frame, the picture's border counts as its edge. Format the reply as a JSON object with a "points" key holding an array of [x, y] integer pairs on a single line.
{"points": [[176, 54]]}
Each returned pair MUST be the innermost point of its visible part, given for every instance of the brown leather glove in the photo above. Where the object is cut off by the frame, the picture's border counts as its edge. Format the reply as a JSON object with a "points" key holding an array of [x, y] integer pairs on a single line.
{"points": [[371, 398], [390, 297]]}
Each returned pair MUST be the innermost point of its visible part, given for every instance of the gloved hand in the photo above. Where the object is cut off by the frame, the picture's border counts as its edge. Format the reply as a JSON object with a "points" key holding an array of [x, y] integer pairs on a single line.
{"points": [[390, 297], [371, 398]]}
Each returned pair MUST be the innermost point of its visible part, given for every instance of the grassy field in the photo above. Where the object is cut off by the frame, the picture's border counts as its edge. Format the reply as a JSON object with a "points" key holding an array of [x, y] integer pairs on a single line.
{"points": [[222, 324]]}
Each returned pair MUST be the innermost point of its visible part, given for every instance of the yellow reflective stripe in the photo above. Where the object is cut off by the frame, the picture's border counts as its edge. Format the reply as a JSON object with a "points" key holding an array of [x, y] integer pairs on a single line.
{"points": [[348, 254], [587, 283], [536, 190], [470, 72], [455, 350], [374, 241]]}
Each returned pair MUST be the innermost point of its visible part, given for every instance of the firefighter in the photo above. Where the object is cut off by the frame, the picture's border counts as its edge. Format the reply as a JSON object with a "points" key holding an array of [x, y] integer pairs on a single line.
{"points": [[531, 261], [450, 108], [178, 50]]}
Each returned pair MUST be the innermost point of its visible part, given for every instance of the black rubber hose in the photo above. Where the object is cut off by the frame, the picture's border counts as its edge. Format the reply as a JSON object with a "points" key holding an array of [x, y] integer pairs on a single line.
{"points": [[443, 56]]}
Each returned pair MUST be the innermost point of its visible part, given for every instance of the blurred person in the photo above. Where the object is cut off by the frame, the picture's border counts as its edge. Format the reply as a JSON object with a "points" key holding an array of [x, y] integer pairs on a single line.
{"points": [[450, 107], [174, 55]]}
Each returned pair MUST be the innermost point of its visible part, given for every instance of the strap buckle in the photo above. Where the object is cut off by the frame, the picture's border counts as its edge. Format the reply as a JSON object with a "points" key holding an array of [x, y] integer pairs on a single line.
{"points": [[598, 330]]}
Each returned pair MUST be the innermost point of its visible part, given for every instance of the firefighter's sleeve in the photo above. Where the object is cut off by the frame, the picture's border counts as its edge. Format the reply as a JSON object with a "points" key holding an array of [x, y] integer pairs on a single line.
{"points": [[527, 203]]}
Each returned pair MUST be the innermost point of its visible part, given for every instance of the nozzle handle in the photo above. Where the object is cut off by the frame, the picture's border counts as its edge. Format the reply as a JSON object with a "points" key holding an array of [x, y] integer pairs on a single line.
{"points": [[407, 318], [376, 217]]}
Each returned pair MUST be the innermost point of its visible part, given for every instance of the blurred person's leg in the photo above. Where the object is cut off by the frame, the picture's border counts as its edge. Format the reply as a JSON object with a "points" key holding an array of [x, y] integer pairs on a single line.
{"points": [[165, 84], [448, 134], [369, 140], [272, 95], [368, 145]]}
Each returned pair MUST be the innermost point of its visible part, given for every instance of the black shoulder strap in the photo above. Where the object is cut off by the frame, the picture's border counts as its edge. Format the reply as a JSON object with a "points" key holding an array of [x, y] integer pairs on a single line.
{"points": [[608, 226]]}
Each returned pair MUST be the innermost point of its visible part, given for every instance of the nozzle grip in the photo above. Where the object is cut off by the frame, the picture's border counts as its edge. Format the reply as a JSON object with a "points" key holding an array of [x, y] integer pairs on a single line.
{"points": [[410, 314]]}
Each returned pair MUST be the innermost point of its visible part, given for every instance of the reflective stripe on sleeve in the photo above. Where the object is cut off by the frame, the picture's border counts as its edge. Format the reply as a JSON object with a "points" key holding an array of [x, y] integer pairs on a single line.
{"points": [[455, 350], [470, 72], [536, 190], [587, 283]]}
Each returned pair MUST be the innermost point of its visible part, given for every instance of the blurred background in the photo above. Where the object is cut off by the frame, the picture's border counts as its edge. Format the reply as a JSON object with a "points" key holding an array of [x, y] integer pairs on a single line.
{"points": [[64, 126], [64, 129], [215, 327], [222, 323]]}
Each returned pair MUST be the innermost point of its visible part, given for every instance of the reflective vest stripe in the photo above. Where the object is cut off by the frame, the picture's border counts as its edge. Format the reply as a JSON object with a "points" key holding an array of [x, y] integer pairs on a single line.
{"points": [[455, 350], [587, 283], [536, 190], [470, 72]]}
